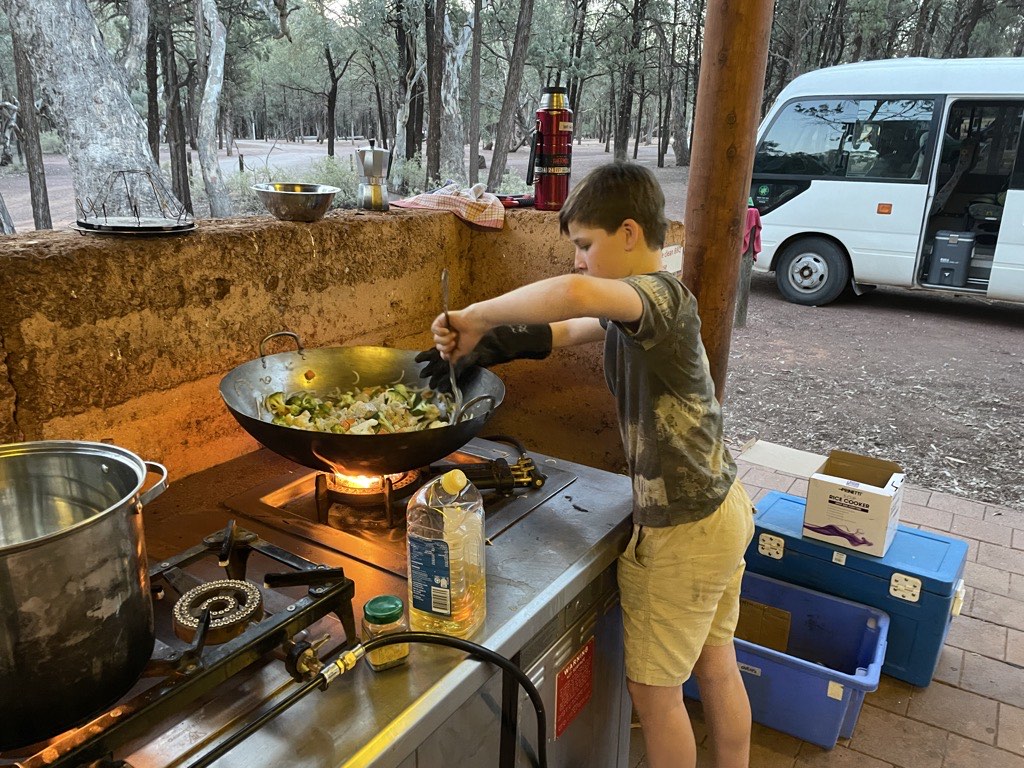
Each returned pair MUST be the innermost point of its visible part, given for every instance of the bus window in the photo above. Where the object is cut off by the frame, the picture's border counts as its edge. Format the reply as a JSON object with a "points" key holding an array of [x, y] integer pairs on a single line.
{"points": [[806, 139], [893, 136]]}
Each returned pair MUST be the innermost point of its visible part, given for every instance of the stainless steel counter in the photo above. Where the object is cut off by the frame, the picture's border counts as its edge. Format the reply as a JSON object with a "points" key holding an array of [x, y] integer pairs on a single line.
{"points": [[534, 570]]}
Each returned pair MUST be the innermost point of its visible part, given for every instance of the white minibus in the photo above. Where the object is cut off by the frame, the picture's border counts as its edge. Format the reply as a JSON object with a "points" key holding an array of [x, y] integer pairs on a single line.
{"points": [[905, 172]]}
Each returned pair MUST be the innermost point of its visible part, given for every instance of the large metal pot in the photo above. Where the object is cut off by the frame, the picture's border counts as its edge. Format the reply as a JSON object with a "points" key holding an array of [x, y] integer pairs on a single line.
{"points": [[76, 616], [323, 370]]}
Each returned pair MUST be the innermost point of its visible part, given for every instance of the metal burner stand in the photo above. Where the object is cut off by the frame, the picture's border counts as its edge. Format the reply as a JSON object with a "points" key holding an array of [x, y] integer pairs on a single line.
{"points": [[193, 671]]}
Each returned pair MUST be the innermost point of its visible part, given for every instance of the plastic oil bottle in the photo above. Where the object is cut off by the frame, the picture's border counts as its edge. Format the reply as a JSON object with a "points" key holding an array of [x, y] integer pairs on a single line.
{"points": [[445, 531]]}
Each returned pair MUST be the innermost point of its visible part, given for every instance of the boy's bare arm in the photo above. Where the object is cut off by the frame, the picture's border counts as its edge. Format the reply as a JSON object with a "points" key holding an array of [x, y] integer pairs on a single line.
{"points": [[579, 330], [547, 301]]}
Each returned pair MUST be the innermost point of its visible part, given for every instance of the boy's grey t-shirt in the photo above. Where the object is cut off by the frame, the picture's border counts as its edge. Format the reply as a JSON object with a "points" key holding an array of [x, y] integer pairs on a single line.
{"points": [[670, 421]]}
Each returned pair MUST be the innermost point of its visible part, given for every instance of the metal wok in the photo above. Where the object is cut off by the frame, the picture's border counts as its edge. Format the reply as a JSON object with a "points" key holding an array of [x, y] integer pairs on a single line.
{"points": [[322, 371]]}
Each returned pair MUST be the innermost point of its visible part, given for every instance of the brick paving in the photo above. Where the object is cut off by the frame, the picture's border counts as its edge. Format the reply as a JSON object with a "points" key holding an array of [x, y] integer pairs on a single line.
{"points": [[972, 714]]}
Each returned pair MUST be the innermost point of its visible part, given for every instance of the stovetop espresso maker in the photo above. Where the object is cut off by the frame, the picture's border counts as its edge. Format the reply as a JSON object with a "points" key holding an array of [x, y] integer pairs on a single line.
{"points": [[373, 170]]}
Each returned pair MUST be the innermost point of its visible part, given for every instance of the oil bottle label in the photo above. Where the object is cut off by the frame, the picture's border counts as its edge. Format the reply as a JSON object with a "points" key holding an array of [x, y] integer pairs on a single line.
{"points": [[430, 574]]}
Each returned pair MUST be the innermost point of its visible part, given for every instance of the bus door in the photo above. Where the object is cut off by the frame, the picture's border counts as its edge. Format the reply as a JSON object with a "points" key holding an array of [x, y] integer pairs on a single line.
{"points": [[974, 232], [1007, 280]]}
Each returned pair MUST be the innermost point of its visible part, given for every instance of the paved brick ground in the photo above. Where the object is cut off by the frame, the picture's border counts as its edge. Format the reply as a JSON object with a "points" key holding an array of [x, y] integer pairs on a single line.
{"points": [[972, 715]]}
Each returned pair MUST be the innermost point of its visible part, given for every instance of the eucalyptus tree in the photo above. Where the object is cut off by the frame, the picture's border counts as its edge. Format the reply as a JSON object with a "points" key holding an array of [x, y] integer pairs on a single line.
{"points": [[104, 132], [324, 51], [211, 47], [375, 61], [510, 102], [632, 57]]}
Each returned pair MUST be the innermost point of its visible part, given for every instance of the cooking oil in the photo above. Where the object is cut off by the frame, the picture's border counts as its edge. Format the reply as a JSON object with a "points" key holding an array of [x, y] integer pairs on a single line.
{"points": [[445, 530]]}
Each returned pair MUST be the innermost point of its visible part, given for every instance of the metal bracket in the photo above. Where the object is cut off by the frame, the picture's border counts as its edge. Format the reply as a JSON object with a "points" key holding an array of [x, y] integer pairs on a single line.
{"points": [[771, 546], [904, 587]]}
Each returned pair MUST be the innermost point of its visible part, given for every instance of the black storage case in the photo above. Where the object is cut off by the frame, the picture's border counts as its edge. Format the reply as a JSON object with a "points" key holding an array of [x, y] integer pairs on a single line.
{"points": [[951, 258]]}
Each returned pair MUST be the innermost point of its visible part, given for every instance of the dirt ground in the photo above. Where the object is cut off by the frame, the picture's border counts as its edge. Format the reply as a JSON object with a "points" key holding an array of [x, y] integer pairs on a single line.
{"points": [[932, 382]]}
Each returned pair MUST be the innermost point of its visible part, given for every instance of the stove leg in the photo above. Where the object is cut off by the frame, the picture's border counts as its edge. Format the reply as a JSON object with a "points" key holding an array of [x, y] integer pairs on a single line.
{"points": [[323, 503]]}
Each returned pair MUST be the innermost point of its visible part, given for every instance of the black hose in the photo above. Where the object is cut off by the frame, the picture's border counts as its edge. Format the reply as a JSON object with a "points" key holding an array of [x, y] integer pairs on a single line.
{"points": [[481, 652], [473, 649]]}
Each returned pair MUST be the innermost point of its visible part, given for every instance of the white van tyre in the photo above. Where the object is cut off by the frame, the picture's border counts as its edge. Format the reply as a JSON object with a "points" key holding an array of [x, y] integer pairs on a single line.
{"points": [[812, 271]]}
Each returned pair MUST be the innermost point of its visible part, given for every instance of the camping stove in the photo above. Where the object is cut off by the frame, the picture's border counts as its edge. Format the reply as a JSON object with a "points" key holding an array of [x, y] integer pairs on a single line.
{"points": [[233, 615], [364, 516]]}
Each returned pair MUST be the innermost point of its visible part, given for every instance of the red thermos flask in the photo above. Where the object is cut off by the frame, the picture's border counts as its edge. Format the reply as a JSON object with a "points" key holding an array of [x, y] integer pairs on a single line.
{"points": [[551, 151]]}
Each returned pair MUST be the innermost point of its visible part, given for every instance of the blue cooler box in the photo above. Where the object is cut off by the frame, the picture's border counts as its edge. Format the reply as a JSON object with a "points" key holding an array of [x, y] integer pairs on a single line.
{"points": [[833, 654], [919, 582]]}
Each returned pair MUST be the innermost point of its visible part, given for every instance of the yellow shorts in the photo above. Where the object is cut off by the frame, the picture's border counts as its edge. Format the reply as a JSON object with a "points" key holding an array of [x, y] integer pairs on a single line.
{"points": [[680, 589]]}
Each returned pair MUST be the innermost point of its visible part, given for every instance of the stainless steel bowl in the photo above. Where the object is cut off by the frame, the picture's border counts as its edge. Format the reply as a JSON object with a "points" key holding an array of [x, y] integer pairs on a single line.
{"points": [[290, 201]]}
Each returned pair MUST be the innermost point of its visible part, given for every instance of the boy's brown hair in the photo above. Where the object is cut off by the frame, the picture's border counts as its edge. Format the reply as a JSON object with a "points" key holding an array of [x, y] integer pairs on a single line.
{"points": [[612, 193]]}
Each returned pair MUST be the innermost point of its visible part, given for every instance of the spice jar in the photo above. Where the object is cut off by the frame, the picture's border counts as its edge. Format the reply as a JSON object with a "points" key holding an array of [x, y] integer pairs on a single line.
{"points": [[385, 615]]}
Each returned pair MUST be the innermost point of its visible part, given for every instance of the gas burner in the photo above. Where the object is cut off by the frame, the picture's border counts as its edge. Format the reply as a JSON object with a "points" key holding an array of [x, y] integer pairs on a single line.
{"points": [[369, 490], [220, 628], [232, 604]]}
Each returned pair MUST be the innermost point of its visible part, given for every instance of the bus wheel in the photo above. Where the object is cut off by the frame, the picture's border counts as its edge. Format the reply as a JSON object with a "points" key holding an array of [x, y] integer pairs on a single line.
{"points": [[812, 271]]}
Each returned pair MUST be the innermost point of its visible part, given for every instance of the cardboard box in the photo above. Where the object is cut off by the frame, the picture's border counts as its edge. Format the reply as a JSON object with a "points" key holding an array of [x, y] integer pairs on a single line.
{"points": [[853, 501]]}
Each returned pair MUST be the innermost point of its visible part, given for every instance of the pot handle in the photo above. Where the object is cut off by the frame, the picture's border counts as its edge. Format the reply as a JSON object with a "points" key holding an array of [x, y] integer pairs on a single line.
{"points": [[470, 403], [159, 487], [269, 336]]}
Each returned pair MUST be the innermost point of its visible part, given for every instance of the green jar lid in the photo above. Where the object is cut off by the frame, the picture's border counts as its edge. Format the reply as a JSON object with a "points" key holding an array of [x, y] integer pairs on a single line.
{"points": [[383, 609]]}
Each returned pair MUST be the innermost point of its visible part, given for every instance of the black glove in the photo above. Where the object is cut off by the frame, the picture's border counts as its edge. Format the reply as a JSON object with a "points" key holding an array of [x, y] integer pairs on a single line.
{"points": [[498, 345]]}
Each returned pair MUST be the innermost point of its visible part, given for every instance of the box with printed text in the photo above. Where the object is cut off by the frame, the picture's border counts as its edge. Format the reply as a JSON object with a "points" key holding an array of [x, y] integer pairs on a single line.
{"points": [[853, 501]]}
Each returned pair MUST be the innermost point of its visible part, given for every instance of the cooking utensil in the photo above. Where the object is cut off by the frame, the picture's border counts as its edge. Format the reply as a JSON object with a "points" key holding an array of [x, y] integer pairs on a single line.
{"points": [[246, 387], [372, 194], [296, 202], [76, 617], [456, 392]]}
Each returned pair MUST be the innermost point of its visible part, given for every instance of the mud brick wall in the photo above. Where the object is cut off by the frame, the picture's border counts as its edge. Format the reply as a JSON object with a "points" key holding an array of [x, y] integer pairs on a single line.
{"points": [[127, 339]]}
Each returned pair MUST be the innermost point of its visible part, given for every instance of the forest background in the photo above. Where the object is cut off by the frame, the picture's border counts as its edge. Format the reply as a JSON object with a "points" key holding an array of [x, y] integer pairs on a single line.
{"points": [[112, 82]]}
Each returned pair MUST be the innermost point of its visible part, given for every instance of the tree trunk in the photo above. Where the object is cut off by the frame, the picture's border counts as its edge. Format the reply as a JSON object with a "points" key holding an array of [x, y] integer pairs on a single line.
{"points": [[626, 85], [510, 101], [474, 96], [800, 31], [134, 58], [933, 26], [213, 178], [611, 113], [680, 134], [666, 116], [30, 138], [152, 97], [732, 74], [435, 15], [975, 14], [382, 121], [920, 28], [453, 136], [6, 224], [175, 125], [639, 117], [575, 82], [103, 132]]}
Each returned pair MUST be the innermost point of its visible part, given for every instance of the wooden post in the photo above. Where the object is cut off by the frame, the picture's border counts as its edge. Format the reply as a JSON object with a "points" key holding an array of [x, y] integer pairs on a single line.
{"points": [[728, 110]]}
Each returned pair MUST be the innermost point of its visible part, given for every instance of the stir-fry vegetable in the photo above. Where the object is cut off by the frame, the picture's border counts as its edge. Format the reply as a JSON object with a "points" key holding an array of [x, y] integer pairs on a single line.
{"points": [[363, 411]]}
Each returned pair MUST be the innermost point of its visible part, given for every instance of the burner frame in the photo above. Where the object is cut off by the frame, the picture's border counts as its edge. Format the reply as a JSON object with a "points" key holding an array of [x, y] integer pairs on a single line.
{"points": [[190, 674], [290, 504]]}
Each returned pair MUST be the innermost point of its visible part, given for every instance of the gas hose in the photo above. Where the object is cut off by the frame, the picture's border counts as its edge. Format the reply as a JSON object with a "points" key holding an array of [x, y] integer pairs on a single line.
{"points": [[344, 659]]}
